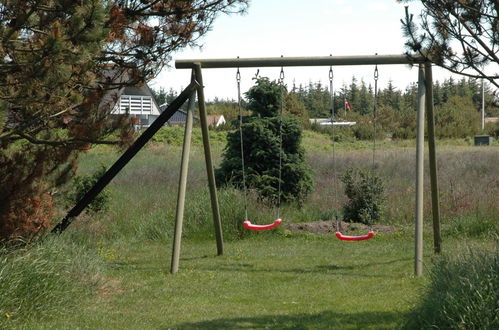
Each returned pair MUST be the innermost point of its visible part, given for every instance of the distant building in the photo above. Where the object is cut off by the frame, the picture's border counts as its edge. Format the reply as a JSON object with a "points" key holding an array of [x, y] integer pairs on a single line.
{"points": [[179, 117], [215, 120], [491, 119], [139, 103], [329, 122]]}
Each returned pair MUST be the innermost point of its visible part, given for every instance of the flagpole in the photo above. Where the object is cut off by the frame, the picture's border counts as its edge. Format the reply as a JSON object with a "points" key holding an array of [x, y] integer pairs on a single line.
{"points": [[345, 105]]}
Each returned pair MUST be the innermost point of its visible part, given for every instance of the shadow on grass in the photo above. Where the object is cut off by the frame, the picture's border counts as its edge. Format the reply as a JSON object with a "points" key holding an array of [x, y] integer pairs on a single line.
{"points": [[356, 270], [361, 265], [323, 320]]}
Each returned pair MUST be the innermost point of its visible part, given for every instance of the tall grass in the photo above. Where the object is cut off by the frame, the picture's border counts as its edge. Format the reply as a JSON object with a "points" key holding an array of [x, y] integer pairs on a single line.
{"points": [[468, 182], [46, 279], [51, 277], [145, 193], [463, 293]]}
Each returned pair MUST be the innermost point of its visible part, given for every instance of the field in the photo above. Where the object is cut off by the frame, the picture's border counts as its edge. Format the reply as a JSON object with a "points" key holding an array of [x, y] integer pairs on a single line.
{"points": [[111, 270]]}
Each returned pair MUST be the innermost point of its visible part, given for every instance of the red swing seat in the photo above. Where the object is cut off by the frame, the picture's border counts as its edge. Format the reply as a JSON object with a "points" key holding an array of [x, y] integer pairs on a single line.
{"points": [[248, 225], [355, 238]]}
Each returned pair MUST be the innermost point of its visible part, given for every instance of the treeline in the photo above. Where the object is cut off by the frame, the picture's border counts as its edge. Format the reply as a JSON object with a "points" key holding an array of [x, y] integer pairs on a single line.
{"points": [[360, 97], [457, 107]]}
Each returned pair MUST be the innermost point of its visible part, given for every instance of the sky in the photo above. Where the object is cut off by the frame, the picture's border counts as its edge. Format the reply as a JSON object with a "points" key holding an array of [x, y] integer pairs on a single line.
{"points": [[272, 28]]}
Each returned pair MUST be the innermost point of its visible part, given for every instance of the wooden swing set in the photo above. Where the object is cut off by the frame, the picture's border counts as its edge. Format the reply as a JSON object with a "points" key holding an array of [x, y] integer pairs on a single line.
{"points": [[425, 102]]}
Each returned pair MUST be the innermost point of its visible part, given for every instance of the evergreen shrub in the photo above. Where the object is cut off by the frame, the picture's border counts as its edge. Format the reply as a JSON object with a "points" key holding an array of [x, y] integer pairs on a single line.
{"points": [[365, 192], [261, 137], [261, 158], [83, 183]]}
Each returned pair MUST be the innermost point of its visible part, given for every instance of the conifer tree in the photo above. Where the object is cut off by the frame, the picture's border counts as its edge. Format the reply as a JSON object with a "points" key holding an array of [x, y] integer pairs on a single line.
{"points": [[62, 64], [461, 36], [261, 136]]}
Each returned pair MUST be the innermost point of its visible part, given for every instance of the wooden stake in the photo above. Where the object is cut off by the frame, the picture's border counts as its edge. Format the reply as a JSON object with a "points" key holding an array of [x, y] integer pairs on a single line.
{"points": [[430, 120], [418, 258], [184, 168], [209, 163]]}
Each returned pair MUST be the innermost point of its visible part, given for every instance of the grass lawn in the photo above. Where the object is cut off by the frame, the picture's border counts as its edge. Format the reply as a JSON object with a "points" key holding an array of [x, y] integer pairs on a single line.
{"points": [[298, 281], [264, 280]]}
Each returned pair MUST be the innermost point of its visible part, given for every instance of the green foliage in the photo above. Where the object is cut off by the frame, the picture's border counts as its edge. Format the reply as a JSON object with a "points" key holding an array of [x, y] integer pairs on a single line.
{"points": [[365, 192], [439, 37], [462, 293], [401, 124], [456, 106], [82, 184], [62, 66], [481, 224], [456, 118], [161, 96], [341, 134], [264, 98], [293, 106], [287, 264], [364, 130], [227, 108], [261, 157], [174, 135], [317, 99], [492, 129]]}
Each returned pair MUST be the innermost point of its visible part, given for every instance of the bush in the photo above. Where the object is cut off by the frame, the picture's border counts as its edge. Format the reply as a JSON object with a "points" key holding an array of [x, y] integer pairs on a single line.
{"points": [[174, 135], [364, 130], [82, 184], [462, 294], [341, 134], [492, 129], [365, 192], [457, 118]]}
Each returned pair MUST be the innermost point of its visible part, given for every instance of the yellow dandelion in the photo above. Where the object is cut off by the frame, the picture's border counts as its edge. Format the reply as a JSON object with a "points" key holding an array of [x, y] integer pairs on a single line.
{"points": [[7, 315]]}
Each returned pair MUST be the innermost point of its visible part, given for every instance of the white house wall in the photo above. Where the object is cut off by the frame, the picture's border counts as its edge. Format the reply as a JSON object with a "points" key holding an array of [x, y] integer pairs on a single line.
{"points": [[136, 105], [221, 121]]}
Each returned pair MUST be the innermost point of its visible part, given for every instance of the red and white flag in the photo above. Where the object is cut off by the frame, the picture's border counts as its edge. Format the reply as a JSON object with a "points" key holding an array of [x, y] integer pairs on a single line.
{"points": [[347, 106]]}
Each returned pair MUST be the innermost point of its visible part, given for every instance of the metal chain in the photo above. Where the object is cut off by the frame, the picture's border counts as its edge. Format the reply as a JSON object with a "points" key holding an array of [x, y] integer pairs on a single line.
{"points": [[238, 79], [281, 83], [376, 76], [335, 187]]}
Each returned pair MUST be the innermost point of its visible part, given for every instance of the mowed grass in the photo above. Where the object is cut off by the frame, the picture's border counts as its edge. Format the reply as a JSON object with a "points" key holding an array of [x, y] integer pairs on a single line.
{"points": [[268, 279], [297, 281]]}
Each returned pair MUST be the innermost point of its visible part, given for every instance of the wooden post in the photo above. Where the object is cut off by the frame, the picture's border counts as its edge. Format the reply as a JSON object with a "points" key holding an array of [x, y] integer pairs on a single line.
{"points": [[483, 106], [209, 163], [184, 168], [430, 119], [125, 158], [418, 258]]}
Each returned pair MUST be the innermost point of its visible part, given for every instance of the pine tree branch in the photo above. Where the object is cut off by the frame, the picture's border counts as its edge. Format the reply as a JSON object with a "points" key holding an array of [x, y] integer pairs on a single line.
{"points": [[61, 143], [475, 36]]}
